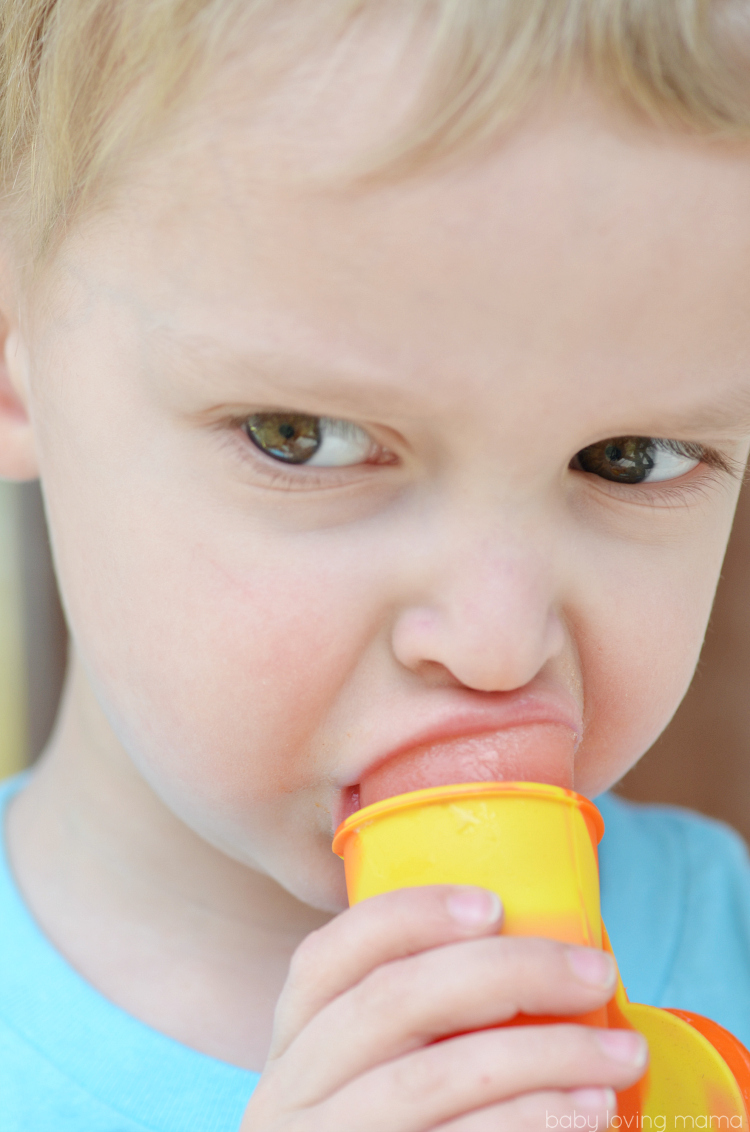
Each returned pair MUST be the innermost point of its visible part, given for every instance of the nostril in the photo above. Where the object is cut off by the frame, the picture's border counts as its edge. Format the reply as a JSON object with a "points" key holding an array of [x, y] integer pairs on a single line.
{"points": [[436, 675], [490, 637]]}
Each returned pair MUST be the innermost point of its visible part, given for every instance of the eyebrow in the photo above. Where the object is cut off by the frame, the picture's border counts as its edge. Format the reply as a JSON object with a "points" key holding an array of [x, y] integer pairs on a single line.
{"points": [[728, 414], [349, 388], [354, 388]]}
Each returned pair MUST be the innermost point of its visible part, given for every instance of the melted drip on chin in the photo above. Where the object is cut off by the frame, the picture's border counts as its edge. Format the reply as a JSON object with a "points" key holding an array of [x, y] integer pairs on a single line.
{"points": [[535, 752]]}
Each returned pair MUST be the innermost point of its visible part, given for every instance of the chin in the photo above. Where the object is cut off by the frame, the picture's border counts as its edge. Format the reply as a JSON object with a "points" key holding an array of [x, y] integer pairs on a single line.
{"points": [[321, 898], [319, 885]]}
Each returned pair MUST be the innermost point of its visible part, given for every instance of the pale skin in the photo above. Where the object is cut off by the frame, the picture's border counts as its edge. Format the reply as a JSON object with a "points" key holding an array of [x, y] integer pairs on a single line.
{"points": [[251, 639]]}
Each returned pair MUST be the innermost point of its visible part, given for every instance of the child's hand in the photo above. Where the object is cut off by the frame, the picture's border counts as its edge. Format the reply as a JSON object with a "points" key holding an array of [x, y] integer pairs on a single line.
{"points": [[354, 1046]]}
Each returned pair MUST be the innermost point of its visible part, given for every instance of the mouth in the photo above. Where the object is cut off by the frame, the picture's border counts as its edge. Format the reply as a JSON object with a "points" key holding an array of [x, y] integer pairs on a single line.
{"points": [[540, 751]]}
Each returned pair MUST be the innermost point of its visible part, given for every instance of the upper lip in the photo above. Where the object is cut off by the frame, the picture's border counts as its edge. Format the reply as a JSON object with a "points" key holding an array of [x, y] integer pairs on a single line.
{"points": [[514, 709]]}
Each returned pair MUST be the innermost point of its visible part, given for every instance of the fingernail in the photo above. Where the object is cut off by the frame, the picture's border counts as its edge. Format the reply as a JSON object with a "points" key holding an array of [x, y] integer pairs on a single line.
{"points": [[591, 966], [596, 1100], [474, 907], [625, 1046]]}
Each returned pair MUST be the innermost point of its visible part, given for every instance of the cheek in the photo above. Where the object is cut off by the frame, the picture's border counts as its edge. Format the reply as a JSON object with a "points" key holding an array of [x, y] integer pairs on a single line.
{"points": [[216, 649], [639, 642], [216, 646]]}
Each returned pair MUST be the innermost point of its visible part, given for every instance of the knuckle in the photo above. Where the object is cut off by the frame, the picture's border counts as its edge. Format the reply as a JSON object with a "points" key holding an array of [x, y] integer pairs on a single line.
{"points": [[526, 972], [563, 1046], [407, 898], [416, 1081], [525, 962], [387, 988], [579, 1046], [533, 951], [576, 1040]]}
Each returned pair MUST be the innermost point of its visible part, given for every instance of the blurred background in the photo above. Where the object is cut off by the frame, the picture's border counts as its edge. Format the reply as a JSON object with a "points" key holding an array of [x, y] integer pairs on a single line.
{"points": [[33, 639], [702, 760]]}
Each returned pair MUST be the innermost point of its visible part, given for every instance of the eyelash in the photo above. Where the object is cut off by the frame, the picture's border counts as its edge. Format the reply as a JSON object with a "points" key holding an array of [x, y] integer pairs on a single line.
{"points": [[715, 466], [713, 460], [278, 476], [708, 456]]}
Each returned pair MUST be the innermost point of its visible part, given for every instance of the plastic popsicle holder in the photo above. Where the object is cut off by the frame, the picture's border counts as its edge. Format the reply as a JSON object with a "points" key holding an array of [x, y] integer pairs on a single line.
{"points": [[536, 846]]}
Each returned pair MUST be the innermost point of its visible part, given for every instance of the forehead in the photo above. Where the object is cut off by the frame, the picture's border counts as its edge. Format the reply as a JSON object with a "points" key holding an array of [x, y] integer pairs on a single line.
{"points": [[580, 253]]}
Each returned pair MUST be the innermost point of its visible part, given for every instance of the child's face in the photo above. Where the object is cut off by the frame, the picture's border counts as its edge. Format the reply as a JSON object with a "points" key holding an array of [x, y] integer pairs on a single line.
{"points": [[455, 595]]}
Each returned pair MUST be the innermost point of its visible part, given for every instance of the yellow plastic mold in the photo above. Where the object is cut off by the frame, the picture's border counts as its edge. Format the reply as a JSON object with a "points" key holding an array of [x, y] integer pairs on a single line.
{"points": [[535, 846]]}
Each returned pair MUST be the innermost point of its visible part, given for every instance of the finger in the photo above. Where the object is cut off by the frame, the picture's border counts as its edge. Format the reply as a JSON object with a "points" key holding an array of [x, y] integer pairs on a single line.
{"points": [[586, 1109], [451, 1079], [380, 929], [411, 1002]]}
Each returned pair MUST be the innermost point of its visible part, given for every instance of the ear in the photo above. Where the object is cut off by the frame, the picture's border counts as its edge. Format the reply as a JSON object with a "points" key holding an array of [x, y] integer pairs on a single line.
{"points": [[17, 451]]}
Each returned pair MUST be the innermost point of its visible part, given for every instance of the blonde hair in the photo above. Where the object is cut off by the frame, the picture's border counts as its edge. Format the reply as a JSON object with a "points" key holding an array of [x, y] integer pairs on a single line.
{"points": [[85, 80]]}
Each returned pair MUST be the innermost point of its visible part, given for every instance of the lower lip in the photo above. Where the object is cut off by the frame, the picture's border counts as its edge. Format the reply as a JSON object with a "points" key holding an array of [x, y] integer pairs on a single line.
{"points": [[534, 752]]}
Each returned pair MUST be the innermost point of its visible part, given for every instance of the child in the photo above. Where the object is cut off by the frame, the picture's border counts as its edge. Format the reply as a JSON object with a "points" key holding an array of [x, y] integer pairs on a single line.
{"points": [[386, 369]]}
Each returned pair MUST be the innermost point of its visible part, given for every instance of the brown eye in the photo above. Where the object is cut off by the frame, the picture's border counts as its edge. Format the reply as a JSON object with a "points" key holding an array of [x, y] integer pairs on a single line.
{"points": [[322, 442], [624, 459], [291, 437]]}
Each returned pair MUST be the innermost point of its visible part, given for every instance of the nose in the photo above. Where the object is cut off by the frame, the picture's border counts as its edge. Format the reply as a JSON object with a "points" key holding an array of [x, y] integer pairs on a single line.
{"points": [[486, 614]]}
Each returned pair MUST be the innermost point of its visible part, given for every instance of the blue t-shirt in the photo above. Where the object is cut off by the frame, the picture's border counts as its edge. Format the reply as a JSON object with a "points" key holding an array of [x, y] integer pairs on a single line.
{"points": [[675, 898]]}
